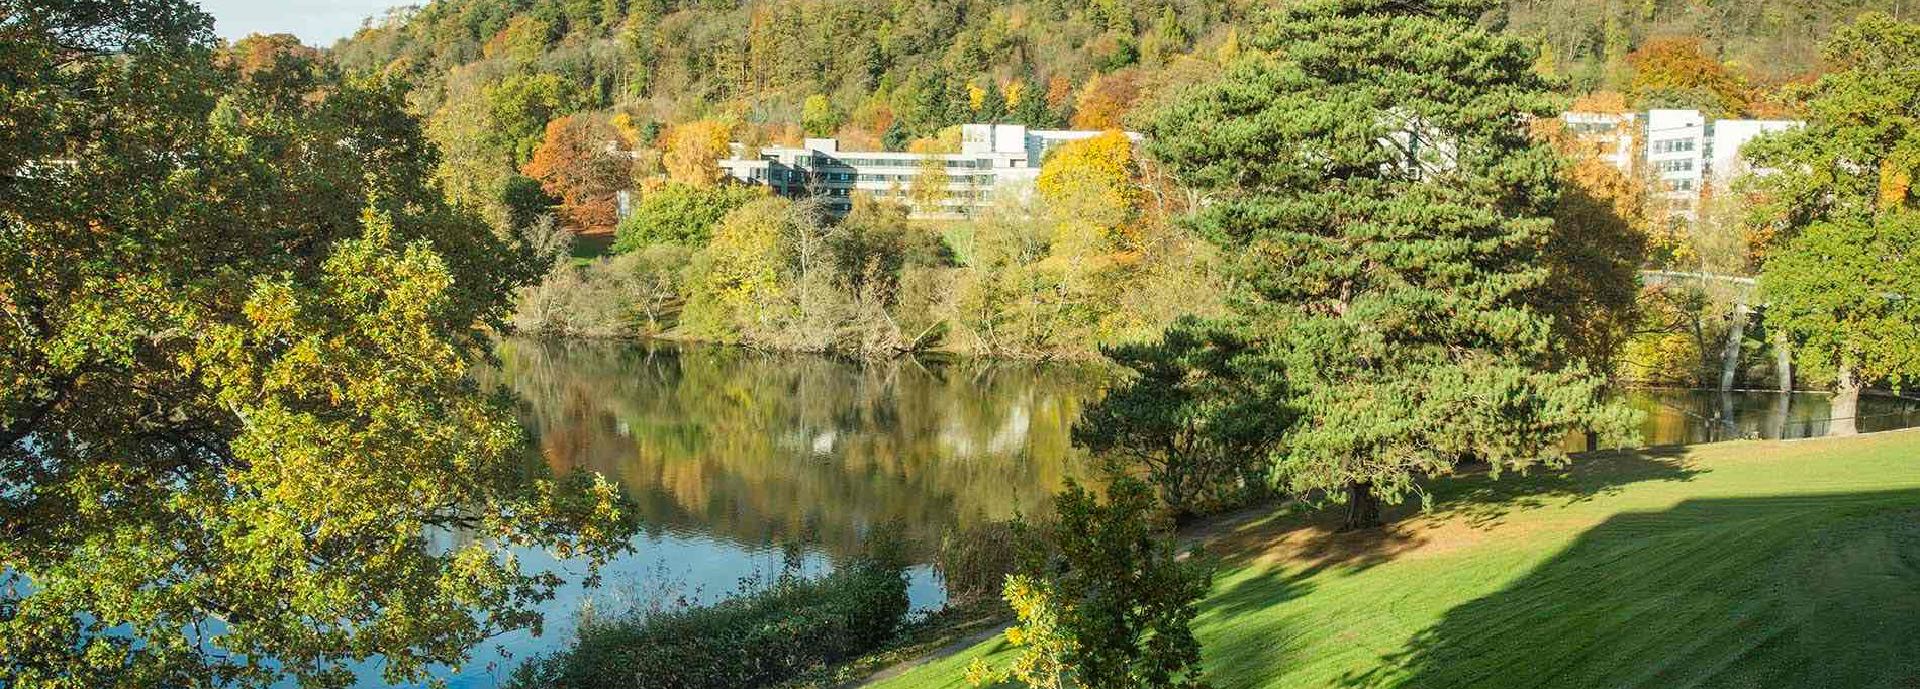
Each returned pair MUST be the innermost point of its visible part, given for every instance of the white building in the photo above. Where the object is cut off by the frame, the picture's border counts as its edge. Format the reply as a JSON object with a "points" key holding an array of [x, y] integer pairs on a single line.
{"points": [[994, 160], [1687, 154], [1676, 157], [1609, 137], [1725, 161]]}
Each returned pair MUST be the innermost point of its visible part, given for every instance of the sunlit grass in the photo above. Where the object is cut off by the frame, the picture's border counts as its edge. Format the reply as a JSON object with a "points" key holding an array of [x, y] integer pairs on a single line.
{"points": [[1749, 564]]}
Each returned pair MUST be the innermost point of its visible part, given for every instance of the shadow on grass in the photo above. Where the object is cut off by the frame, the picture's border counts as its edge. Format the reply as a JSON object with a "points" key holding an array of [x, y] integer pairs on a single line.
{"points": [[1485, 502], [1798, 591], [1304, 534]]}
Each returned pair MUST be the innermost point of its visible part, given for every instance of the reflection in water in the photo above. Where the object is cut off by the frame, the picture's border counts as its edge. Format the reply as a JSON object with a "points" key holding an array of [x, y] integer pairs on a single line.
{"points": [[1689, 417], [760, 448], [734, 456]]}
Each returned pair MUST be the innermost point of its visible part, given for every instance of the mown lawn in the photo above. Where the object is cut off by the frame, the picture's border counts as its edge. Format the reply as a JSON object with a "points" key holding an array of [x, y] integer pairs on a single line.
{"points": [[1748, 564]]}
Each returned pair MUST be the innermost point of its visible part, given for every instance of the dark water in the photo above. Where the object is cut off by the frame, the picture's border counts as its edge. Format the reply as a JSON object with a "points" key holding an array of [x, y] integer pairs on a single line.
{"points": [[741, 460]]}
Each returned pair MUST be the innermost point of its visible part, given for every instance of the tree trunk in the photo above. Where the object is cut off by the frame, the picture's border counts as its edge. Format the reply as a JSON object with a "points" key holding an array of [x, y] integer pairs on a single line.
{"points": [[1846, 404], [1783, 362], [1363, 507], [1778, 421], [1730, 357]]}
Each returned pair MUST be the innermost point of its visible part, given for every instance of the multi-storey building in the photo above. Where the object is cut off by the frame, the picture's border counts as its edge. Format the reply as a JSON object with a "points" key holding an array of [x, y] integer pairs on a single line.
{"points": [[1607, 136], [995, 160], [1687, 154]]}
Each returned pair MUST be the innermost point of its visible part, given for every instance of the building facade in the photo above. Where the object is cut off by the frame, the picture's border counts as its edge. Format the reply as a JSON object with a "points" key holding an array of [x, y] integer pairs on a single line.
{"points": [[995, 161], [1609, 137], [1683, 153], [1689, 155]]}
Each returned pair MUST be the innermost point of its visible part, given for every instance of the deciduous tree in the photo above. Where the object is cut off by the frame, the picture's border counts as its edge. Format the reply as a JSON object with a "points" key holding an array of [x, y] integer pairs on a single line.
{"points": [[1677, 72], [1847, 293], [574, 163], [234, 394], [1843, 282], [693, 150]]}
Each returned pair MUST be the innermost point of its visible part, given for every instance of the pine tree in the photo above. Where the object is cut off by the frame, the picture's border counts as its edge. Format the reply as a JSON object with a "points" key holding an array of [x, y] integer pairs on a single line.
{"points": [[1386, 213]]}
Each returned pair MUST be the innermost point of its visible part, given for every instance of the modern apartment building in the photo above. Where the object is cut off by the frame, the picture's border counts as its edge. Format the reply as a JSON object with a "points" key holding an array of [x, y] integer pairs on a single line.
{"points": [[1610, 137], [1687, 154], [994, 160]]}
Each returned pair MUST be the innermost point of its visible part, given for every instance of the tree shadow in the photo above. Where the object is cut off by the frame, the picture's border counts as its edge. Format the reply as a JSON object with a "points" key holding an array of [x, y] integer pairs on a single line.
{"points": [[1306, 533], [1259, 645], [1792, 591], [1484, 501]]}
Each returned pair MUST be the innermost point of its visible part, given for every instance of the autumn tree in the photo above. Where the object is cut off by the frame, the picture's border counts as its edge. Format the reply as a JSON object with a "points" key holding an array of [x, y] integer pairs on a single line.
{"points": [[1105, 101], [740, 278], [1593, 255], [581, 162], [1677, 72], [237, 400], [1094, 185], [693, 150], [1383, 211]]}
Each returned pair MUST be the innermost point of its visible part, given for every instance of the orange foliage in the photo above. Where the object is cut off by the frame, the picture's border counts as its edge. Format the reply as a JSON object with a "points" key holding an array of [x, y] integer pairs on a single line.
{"points": [[1682, 65], [1059, 92], [262, 52], [1106, 100], [1611, 102], [573, 164]]}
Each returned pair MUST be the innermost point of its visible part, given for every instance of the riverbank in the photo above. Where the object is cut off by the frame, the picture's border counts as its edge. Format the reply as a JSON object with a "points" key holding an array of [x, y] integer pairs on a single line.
{"points": [[1735, 564]]}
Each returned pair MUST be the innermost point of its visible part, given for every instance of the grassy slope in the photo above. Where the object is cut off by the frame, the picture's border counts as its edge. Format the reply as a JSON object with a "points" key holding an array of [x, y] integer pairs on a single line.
{"points": [[1749, 564]]}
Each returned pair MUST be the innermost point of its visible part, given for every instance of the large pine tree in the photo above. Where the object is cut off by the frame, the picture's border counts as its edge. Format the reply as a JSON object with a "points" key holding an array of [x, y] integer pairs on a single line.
{"points": [[1370, 173]]}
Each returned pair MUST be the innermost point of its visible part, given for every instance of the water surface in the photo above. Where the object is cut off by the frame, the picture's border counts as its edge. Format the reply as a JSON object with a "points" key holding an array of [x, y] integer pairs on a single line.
{"points": [[741, 461]]}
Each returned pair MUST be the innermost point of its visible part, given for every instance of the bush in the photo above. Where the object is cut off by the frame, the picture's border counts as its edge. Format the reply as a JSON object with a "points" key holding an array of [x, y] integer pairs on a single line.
{"points": [[636, 293], [1104, 599], [681, 214], [974, 561], [756, 640]]}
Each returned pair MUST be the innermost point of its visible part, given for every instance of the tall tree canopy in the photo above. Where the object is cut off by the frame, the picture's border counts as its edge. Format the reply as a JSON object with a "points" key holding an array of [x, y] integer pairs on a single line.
{"points": [[1839, 196], [235, 415], [1385, 212], [1860, 149]]}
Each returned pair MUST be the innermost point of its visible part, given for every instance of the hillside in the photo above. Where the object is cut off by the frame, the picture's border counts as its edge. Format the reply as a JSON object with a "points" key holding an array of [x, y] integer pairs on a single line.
{"points": [[1740, 564], [489, 75]]}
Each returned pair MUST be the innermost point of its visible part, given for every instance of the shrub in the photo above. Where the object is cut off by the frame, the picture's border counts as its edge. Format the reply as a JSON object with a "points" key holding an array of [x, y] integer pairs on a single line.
{"points": [[755, 640], [1104, 599], [636, 293], [974, 561], [681, 214]]}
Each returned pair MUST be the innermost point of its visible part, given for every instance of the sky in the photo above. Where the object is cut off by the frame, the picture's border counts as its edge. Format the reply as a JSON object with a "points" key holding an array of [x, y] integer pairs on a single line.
{"points": [[316, 22]]}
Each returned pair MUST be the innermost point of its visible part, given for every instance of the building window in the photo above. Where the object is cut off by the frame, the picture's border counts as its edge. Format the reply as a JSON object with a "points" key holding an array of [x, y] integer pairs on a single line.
{"points": [[1673, 146]]}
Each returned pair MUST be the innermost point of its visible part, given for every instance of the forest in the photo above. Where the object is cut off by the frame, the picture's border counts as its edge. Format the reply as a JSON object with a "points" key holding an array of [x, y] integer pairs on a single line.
{"points": [[549, 113]]}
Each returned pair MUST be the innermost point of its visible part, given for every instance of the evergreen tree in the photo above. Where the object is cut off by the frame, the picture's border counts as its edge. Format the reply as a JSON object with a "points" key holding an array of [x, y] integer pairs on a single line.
{"points": [[1386, 211]]}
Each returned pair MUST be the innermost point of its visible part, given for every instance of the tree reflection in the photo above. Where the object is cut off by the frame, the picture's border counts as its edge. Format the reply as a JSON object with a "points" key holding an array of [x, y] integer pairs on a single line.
{"points": [[760, 447]]}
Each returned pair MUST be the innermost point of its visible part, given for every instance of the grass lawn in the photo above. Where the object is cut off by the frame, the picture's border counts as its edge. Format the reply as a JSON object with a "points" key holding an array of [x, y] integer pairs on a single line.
{"points": [[1746, 564]]}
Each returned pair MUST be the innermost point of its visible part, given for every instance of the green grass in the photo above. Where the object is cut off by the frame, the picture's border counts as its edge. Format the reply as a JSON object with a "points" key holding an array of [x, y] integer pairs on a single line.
{"points": [[1749, 564]]}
